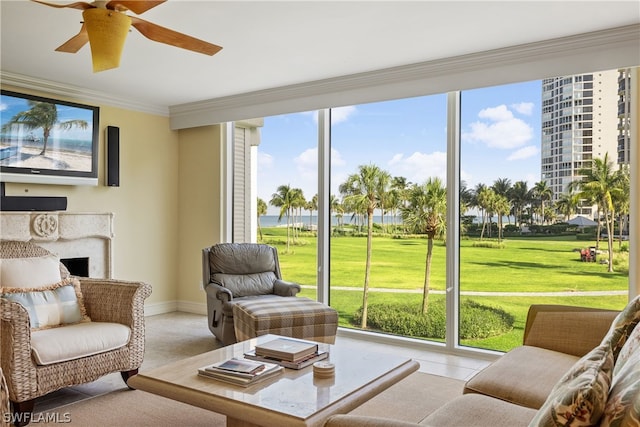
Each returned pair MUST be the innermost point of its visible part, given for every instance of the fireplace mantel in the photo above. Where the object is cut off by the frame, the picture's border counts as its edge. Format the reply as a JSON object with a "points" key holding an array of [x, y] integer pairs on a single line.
{"points": [[67, 234]]}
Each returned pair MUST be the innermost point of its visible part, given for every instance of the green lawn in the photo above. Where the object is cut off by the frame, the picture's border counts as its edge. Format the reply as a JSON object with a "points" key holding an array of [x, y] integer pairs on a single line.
{"points": [[523, 265]]}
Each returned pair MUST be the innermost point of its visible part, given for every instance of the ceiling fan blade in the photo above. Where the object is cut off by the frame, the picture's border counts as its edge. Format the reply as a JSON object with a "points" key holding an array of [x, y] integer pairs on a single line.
{"points": [[136, 6], [77, 5], [76, 42], [164, 35]]}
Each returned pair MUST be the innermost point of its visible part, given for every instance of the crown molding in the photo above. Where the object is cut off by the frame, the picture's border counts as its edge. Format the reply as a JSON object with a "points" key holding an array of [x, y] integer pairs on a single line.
{"points": [[77, 93], [619, 46]]}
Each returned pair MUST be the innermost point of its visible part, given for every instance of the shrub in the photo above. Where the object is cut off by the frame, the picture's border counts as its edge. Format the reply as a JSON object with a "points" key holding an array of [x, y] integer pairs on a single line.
{"points": [[489, 244], [476, 320]]}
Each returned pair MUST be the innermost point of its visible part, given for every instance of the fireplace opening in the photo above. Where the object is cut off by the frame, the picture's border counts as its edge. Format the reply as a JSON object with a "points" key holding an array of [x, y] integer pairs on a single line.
{"points": [[77, 266]]}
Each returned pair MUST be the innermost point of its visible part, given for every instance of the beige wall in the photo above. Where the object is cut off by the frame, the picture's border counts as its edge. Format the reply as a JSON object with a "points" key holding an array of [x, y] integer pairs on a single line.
{"points": [[145, 206], [200, 195]]}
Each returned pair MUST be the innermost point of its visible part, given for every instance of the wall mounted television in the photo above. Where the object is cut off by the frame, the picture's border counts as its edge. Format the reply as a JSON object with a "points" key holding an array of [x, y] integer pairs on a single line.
{"points": [[47, 141]]}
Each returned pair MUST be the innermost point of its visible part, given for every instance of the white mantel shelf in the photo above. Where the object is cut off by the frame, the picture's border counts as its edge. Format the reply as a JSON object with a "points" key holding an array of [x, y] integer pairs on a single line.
{"points": [[67, 234]]}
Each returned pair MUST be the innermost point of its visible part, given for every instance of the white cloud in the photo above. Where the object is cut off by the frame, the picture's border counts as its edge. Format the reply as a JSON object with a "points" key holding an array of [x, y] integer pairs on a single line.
{"points": [[524, 108], [419, 167], [265, 160], [496, 114], [341, 114], [499, 129], [524, 153]]}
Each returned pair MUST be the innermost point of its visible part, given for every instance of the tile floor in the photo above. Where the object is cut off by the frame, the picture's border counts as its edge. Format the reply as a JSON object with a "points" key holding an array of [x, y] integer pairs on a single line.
{"points": [[174, 336]]}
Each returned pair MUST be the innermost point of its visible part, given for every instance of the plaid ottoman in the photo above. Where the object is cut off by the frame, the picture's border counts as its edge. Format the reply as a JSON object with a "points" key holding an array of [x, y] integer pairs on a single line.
{"points": [[295, 317]]}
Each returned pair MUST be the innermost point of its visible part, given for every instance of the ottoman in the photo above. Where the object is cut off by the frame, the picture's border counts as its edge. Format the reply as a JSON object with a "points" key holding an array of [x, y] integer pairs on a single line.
{"points": [[295, 317]]}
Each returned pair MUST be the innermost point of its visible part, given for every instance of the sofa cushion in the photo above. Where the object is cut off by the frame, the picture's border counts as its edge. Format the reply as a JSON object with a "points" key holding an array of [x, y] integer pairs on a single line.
{"points": [[580, 396], [524, 376], [70, 342], [246, 284], [475, 410], [29, 272], [52, 305]]}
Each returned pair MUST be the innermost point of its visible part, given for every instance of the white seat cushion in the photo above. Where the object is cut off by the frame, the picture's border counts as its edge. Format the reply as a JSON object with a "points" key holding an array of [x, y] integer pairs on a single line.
{"points": [[78, 340]]}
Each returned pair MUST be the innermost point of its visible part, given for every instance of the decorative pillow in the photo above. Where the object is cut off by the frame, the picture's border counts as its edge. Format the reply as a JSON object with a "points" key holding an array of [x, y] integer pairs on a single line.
{"points": [[50, 306], [622, 326], [580, 396], [623, 405], [630, 347], [30, 272]]}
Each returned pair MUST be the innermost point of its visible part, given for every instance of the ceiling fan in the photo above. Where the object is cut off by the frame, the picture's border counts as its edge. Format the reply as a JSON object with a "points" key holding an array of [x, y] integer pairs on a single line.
{"points": [[106, 25]]}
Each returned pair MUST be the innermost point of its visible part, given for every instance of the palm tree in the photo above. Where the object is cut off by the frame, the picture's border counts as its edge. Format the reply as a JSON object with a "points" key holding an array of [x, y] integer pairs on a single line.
{"points": [[311, 206], [42, 115], [542, 191], [261, 210], [485, 200], [520, 197], [362, 191], [502, 187], [567, 204], [399, 189], [283, 198], [601, 183], [622, 200], [501, 207], [426, 213]]}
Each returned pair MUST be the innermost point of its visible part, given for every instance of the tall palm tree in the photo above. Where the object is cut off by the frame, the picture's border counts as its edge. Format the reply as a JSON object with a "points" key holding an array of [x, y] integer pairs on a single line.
{"points": [[567, 204], [362, 190], [312, 205], [261, 210], [501, 206], [622, 200], [601, 183], [426, 213], [485, 200], [283, 198], [399, 188], [42, 115], [502, 187], [542, 191], [520, 197]]}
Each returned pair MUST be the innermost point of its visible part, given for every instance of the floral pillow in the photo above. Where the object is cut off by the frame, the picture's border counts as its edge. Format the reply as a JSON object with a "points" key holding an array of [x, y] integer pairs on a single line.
{"points": [[580, 396], [52, 305], [623, 405]]}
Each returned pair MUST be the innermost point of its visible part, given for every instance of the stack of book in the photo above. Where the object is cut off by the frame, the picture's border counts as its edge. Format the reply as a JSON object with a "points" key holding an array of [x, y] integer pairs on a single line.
{"points": [[287, 352], [240, 371]]}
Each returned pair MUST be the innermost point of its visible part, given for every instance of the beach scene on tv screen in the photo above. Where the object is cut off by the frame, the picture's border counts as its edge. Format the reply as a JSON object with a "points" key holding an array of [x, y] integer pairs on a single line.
{"points": [[45, 135]]}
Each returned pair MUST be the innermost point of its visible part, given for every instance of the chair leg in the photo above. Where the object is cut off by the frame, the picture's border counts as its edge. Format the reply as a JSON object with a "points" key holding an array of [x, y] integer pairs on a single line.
{"points": [[22, 412], [128, 374]]}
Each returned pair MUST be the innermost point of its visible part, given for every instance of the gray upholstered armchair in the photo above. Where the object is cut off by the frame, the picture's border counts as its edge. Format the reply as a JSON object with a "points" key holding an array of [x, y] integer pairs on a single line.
{"points": [[237, 272]]}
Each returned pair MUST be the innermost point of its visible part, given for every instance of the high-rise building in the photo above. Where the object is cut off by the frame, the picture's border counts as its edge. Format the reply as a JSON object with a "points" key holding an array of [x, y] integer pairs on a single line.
{"points": [[624, 116], [579, 123]]}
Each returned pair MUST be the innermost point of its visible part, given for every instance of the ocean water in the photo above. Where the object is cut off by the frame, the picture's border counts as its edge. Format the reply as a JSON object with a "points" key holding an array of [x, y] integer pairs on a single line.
{"points": [[72, 145], [272, 220]]}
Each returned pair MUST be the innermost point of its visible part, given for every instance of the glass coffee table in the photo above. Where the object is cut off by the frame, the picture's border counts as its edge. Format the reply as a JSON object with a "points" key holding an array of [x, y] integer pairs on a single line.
{"points": [[293, 398]]}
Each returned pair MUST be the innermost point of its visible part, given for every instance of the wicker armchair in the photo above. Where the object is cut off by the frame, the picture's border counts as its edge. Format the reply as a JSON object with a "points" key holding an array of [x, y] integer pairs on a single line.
{"points": [[105, 300]]}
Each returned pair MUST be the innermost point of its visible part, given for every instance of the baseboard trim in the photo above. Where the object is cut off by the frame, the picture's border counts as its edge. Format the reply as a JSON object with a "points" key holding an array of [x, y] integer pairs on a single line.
{"points": [[153, 309], [192, 307]]}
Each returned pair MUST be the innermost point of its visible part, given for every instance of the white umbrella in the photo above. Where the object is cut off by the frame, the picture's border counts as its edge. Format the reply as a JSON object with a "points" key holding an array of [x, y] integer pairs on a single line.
{"points": [[581, 221]]}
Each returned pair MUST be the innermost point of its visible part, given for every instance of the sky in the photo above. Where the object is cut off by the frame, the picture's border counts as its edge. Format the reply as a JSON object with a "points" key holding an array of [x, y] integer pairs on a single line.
{"points": [[500, 137]]}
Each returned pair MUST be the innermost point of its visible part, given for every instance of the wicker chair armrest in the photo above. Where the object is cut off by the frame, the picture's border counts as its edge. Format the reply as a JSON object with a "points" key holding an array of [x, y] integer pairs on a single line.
{"points": [[15, 333], [567, 329], [118, 301], [285, 289]]}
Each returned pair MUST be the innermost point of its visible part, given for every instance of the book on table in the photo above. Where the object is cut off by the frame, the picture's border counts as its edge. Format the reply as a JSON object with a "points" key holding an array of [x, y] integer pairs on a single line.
{"points": [[240, 372], [298, 364], [286, 349]]}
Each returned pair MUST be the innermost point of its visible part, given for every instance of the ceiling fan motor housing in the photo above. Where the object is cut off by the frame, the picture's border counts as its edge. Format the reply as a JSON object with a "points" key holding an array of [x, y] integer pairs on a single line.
{"points": [[107, 30]]}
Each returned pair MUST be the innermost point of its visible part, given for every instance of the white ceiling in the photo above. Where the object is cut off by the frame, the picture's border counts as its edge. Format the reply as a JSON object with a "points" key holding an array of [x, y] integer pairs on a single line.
{"points": [[269, 44]]}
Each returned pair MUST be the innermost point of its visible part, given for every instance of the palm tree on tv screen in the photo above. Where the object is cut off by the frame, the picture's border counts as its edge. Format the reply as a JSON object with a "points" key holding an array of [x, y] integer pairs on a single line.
{"points": [[42, 115]]}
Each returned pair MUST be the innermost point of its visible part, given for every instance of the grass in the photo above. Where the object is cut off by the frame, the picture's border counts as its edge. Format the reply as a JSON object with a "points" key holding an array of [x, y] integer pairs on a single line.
{"points": [[549, 264]]}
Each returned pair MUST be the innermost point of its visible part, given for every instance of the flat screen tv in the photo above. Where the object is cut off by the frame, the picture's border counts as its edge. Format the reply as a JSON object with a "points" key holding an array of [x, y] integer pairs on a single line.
{"points": [[47, 141]]}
